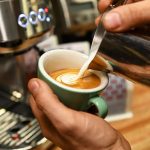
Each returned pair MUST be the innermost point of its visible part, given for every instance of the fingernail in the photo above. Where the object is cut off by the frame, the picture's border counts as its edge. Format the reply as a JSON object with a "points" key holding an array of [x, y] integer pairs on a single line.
{"points": [[112, 20], [33, 85]]}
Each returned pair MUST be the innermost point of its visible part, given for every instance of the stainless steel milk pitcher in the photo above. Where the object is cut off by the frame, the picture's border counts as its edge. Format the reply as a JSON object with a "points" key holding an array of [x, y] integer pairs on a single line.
{"points": [[128, 54]]}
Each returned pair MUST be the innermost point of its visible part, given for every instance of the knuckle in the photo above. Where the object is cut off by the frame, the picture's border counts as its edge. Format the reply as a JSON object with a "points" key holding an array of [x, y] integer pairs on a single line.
{"points": [[39, 98], [68, 127], [129, 13]]}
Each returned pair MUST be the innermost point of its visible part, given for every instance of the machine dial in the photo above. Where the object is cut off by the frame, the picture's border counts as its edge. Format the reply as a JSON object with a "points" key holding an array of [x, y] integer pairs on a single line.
{"points": [[33, 17], [41, 14], [23, 20]]}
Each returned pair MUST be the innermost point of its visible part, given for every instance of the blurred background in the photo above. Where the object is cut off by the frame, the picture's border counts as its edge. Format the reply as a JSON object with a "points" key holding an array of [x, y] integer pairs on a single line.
{"points": [[28, 28]]}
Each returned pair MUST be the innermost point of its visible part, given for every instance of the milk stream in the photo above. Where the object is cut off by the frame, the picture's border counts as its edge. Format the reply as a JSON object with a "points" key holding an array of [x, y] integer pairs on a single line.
{"points": [[87, 63]]}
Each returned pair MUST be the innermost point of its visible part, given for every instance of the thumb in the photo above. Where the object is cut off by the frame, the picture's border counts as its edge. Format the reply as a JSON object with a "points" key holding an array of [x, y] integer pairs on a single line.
{"points": [[47, 101], [127, 16]]}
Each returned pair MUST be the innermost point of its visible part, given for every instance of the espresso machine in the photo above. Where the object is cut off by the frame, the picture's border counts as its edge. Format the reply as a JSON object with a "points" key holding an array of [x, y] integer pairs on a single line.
{"points": [[23, 24], [79, 14]]}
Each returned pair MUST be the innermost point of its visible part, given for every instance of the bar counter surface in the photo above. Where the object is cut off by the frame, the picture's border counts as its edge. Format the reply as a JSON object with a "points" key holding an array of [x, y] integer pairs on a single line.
{"points": [[136, 129]]}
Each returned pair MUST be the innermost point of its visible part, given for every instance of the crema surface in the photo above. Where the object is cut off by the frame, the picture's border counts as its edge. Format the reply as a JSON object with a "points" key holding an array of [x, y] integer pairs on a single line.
{"points": [[67, 76]]}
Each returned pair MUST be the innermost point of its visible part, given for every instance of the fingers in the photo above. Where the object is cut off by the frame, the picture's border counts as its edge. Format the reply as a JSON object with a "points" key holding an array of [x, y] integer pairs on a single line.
{"points": [[124, 17], [48, 130], [48, 102], [103, 4], [45, 125], [127, 16], [63, 120]]}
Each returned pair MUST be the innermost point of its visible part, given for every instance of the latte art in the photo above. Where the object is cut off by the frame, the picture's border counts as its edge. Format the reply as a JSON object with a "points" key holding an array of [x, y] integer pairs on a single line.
{"points": [[68, 77]]}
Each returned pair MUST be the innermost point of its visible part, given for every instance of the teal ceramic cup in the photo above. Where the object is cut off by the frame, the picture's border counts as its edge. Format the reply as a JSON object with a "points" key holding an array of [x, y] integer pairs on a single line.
{"points": [[88, 100]]}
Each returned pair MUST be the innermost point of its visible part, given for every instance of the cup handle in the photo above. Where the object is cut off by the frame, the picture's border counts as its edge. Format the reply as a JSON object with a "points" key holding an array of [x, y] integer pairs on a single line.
{"points": [[98, 106]]}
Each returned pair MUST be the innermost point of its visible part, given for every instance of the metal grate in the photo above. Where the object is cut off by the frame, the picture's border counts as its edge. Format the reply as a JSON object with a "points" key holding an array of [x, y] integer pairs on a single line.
{"points": [[18, 131]]}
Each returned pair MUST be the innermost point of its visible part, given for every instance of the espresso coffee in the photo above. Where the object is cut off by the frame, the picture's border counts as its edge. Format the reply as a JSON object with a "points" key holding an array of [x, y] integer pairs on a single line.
{"points": [[67, 77]]}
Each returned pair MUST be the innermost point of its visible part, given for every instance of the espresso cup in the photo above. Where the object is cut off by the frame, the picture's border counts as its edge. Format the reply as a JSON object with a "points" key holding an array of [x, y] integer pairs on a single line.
{"points": [[88, 100]]}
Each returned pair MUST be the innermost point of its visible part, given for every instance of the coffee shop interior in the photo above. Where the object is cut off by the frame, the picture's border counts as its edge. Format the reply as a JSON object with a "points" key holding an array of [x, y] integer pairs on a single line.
{"points": [[29, 28]]}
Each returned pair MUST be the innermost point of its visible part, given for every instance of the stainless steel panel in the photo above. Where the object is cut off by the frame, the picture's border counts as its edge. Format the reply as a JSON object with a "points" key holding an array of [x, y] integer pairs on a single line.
{"points": [[24, 19], [8, 24]]}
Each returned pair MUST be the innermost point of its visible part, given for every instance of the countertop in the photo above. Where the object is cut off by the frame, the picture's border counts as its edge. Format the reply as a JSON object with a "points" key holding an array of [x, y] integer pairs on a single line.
{"points": [[136, 129]]}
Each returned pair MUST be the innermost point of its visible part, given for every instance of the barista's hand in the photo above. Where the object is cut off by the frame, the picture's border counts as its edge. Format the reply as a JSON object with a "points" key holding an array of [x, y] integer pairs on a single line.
{"points": [[71, 129], [135, 13]]}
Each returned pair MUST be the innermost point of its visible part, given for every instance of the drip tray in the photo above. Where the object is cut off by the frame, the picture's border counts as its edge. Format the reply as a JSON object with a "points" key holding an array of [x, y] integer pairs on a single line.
{"points": [[19, 130]]}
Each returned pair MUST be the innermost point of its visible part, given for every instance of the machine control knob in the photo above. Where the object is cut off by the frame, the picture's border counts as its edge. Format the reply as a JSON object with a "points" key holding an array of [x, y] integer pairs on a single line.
{"points": [[23, 20], [41, 14], [33, 17]]}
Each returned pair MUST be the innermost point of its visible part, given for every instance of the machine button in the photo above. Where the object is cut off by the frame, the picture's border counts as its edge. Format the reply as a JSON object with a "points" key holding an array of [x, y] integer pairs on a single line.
{"points": [[41, 14], [23, 20], [33, 17], [48, 18]]}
